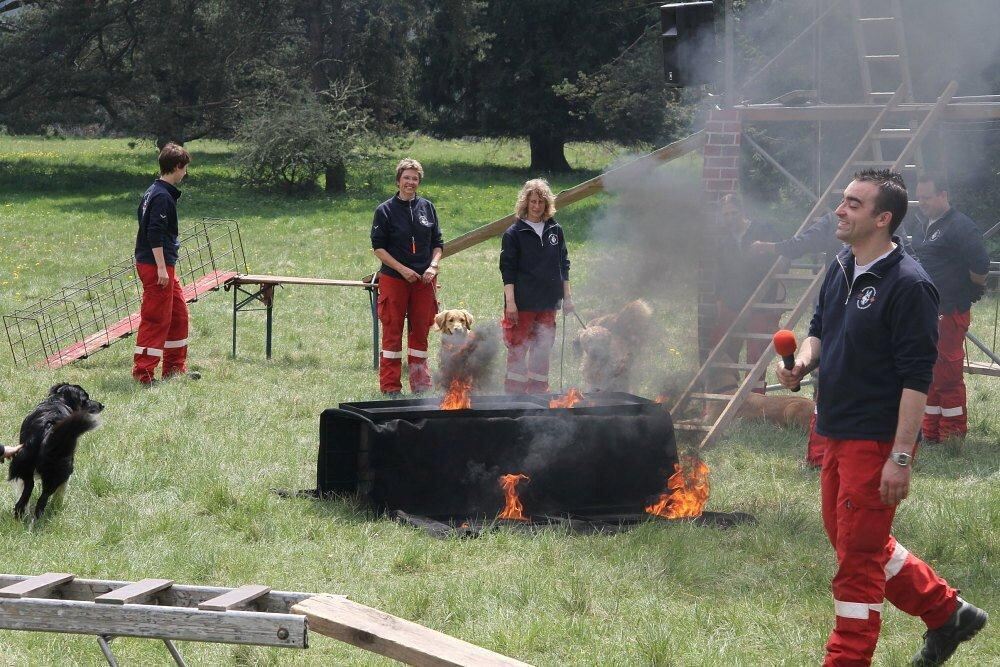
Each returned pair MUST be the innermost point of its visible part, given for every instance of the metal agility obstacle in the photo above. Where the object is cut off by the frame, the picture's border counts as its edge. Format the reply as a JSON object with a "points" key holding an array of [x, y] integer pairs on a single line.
{"points": [[251, 615], [91, 314]]}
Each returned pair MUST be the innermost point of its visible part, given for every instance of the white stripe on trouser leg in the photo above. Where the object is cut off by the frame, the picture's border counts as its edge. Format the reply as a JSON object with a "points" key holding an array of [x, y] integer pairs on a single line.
{"points": [[392, 354], [951, 412], [537, 377], [517, 377], [932, 410], [170, 344], [859, 610], [151, 351], [896, 561], [422, 354]]}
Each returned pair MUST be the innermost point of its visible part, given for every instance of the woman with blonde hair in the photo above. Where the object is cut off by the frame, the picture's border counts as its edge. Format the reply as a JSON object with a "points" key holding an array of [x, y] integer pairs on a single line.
{"points": [[534, 265]]}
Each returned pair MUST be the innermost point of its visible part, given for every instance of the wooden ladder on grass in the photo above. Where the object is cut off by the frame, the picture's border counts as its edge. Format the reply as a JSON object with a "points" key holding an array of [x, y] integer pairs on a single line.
{"points": [[253, 614], [808, 277]]}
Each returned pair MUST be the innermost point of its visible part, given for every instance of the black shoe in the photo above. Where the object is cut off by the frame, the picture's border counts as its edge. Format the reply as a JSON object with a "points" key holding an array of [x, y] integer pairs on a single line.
{"points": [[940, 643], [392, 395], [190, 375]]}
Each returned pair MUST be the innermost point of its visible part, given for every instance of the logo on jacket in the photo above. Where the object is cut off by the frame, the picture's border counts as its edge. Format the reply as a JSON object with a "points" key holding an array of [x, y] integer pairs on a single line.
{"points": [[935, 236], [424, 221], [553, 239], [866, 298]]}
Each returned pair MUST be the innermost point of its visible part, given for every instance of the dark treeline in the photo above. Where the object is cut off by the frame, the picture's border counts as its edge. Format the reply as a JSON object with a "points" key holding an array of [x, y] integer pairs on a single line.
{"points": [[334, 81]]}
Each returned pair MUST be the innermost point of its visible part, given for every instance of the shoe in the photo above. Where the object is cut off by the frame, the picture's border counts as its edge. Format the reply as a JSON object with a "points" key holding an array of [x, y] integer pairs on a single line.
{"points": [[940, 643], [392, 395]]}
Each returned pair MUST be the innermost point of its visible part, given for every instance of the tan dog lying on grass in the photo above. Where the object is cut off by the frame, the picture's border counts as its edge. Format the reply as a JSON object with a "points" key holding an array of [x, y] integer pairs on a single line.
{"points": [[609, 345], [778, 409]]}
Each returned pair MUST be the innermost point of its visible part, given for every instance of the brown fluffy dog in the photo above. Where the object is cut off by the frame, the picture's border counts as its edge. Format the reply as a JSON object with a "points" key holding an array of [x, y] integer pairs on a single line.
{"points": [[609, 345], [780, 409]]}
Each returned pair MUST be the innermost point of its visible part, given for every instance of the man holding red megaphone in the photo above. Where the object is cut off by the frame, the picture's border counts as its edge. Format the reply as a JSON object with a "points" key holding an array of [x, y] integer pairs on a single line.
{"points": [[874, 334]]}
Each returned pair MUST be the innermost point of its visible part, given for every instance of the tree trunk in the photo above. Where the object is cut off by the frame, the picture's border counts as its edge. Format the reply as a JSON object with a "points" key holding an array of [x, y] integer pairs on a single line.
{"points": [[336, 178], [547, 153]]}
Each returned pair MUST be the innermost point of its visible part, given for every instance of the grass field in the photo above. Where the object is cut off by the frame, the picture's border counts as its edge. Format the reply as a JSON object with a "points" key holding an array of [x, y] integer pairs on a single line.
{"points": [[177, 483]]}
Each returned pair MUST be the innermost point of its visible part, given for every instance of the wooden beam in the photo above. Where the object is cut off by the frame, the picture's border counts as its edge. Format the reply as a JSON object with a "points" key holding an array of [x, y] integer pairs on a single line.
{"points": [[581, 191], [154, 622], [140, 590], [237, 597], [178, 595], [255, 279], [391, 636], [956, 111], [35, 586]]}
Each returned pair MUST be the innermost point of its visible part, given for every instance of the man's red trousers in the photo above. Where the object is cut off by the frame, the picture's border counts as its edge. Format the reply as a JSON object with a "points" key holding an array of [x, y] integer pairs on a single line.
{"points": [[872, 565], [163, 326], [529, 346], [416, 305], [945, 414]]}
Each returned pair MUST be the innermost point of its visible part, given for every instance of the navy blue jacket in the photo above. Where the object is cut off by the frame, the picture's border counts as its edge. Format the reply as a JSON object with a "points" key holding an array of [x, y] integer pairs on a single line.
{"points": [[878, 334], [409, 231], [536, 267], [948, 249], [158, 224]]}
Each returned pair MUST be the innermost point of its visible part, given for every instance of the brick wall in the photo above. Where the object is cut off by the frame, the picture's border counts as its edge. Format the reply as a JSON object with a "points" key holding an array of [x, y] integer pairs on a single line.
{"points": [[720, 175]]}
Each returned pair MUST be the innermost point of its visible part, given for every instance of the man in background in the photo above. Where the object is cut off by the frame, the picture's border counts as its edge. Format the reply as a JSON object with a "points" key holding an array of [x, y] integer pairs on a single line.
{"points": [[951, 250]]}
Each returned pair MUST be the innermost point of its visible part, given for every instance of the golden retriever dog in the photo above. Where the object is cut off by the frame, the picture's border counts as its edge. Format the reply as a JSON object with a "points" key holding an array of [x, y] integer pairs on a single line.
{"points": [[466, 355], [608, 346], [453, 321], [780, 409]]}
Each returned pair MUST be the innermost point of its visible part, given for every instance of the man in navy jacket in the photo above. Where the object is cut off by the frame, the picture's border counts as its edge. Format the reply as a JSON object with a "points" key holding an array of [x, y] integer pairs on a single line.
{"points": [[163, 324], [874, 335], [952, 252]]}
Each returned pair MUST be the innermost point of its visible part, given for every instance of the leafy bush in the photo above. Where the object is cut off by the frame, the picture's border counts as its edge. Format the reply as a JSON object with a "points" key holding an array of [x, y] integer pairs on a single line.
{"points": [[289, 140]]}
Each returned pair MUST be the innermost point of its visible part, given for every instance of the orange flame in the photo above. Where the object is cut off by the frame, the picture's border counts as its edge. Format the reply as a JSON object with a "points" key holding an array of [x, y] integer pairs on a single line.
{"points": [[458, 396], [661, 399], [513, 509], [687, 491], [572, 397]]}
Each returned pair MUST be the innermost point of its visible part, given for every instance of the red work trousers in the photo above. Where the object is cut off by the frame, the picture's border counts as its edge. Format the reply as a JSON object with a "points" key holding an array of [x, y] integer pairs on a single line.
{"points": [[529, 346], [945, 415], [759, 322], [416, 305], [163, 326], [816, 447], [872, 565]]}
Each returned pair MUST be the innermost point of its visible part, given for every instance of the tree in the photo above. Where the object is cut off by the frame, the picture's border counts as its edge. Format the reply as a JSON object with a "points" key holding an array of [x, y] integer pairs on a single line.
{"points": [[506, 74]]}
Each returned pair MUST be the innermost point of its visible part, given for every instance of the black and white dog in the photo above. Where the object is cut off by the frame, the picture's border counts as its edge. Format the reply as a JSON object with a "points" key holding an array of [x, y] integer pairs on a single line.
{"points": [[49, 436]]}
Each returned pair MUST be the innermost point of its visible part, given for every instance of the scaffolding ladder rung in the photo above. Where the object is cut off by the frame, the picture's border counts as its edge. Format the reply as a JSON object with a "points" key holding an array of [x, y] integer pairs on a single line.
{"points": [[712, 397], [751, 336], [731, 365], [876, 19], [882, 56], [772, 306], [795, 276]]}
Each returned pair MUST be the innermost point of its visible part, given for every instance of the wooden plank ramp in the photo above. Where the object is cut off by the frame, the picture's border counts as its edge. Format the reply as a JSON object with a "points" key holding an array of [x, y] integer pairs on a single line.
{"points": [[391, 636]]}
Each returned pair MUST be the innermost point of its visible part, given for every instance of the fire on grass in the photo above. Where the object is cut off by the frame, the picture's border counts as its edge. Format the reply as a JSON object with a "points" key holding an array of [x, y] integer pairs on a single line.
{"points": [[459, 396], [687, 491], [513, 509]]}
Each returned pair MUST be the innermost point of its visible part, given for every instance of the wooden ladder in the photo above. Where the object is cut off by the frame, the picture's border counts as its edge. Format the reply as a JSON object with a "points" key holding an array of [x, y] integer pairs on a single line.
{"points": [[253, 614], [806, 279], [885, 66]]}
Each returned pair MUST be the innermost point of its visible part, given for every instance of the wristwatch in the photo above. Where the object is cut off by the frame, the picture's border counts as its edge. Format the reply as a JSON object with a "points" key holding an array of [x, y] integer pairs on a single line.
{"points": [[901, 458]]}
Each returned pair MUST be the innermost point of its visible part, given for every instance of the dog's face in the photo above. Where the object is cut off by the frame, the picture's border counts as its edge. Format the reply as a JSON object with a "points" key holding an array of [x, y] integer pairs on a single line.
{"points": [[453, 321], [75, 397]]}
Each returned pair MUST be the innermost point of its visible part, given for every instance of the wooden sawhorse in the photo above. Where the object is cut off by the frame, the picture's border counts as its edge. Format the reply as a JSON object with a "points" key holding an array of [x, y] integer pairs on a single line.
{"points": [[261, 288]]}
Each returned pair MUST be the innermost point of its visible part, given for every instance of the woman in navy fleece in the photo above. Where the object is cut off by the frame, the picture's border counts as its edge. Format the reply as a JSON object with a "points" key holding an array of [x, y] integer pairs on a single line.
{"points": [[534, 264]]}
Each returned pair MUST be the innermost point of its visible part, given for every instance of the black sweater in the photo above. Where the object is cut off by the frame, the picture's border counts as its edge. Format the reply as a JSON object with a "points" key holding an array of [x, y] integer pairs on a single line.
{"points": [[158, 224], [878, 334], [536, 267], [948, 249], [409, 231]]}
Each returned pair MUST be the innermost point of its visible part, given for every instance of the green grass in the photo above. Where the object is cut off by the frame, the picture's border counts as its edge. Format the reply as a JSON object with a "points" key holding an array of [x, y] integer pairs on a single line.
{"points": [[177, 482]]}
